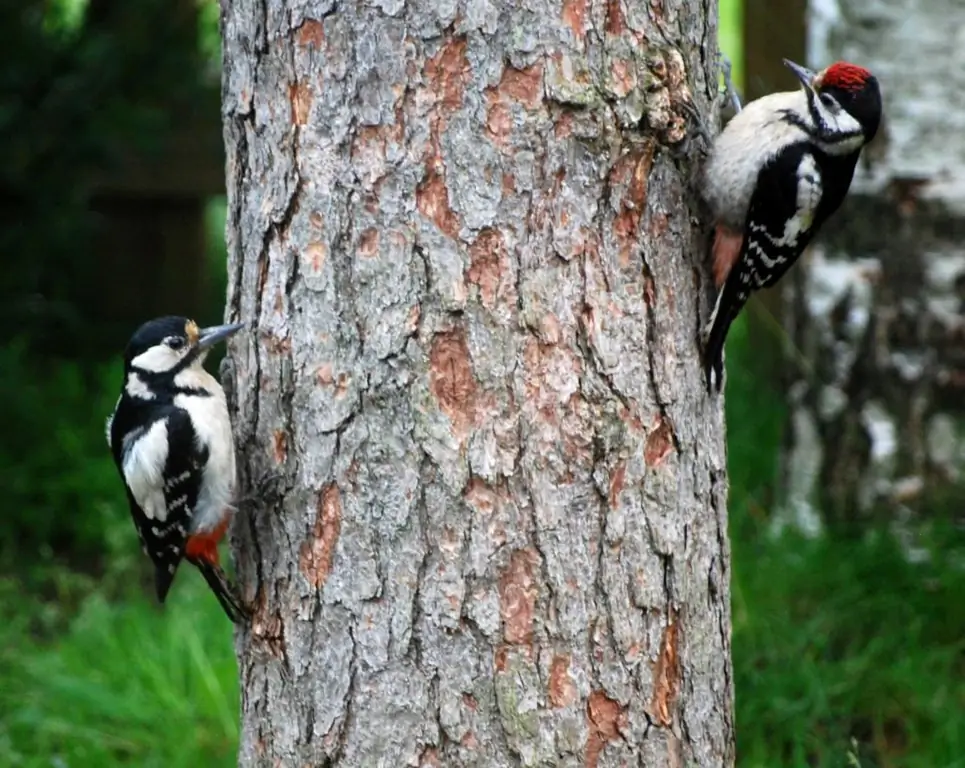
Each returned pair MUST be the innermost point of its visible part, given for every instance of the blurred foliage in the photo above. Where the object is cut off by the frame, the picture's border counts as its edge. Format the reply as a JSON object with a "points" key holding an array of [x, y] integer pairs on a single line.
{"points": [[75, 94], [60, 485]]}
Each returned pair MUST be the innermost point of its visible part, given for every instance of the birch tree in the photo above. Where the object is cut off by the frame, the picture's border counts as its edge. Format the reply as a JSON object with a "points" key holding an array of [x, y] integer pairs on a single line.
{"points": [[876, 314], [485, 511]]}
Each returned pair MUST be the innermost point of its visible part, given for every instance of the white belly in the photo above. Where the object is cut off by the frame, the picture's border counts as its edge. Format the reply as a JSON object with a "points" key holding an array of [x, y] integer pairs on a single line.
{"points": [[210, 418]]}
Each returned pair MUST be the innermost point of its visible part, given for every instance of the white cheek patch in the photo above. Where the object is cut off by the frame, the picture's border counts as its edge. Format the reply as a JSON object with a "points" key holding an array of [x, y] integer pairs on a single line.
{"points": [[157, 359], [136, 387], [143, 467], [841, 124]]}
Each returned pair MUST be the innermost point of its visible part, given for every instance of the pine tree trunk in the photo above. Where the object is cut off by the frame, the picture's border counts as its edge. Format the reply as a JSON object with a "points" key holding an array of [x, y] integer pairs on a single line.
{"points": [[876, 310], [488, 523]]}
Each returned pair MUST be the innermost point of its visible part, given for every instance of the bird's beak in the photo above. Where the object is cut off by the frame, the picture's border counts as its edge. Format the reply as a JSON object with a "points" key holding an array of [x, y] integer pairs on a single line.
{"points": [[208, 337], [805, 75]]}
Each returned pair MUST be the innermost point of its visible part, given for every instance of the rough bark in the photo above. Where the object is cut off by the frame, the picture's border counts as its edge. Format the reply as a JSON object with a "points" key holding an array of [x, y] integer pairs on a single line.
{"points": [[876, 312], [487, 522]]}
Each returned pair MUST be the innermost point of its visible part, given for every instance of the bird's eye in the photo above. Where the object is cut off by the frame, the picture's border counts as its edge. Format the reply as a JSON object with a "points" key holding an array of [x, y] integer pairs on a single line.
{"points": [[175, 342], [829, 102]]}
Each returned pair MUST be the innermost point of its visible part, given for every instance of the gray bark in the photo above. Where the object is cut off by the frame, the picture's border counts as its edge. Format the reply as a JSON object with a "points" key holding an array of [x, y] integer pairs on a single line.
{"points": [[496, 530], [876, 310]]}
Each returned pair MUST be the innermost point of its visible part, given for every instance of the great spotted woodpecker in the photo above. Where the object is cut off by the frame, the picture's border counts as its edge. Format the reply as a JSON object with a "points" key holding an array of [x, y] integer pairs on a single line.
{"points": [[171, 440], [779, 169]]}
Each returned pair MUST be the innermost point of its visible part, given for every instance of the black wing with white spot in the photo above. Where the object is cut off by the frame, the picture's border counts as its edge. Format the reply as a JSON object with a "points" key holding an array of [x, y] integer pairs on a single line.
{"points": [[156, 453], [785, 211], [182, 484]]}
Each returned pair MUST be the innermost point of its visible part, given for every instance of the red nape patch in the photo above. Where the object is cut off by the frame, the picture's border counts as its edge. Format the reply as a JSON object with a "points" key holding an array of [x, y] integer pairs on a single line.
{"points": [[843, 74]]}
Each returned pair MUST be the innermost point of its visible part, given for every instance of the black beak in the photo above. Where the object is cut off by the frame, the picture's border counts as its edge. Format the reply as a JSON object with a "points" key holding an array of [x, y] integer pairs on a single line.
{"points": [[208, 337], [805, 75]]}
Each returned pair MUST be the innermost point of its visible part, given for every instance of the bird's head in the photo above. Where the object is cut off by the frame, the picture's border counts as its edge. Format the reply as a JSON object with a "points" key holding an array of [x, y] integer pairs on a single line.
{"points": [[167, 345], [843, 86]]}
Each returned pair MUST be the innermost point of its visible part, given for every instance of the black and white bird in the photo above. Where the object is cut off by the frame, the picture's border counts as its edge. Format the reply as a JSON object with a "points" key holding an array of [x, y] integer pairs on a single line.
{"points": [[779, 169], [170, 436]]}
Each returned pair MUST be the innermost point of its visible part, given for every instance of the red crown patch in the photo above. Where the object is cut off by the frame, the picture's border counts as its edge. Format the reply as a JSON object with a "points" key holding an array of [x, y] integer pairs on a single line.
{"points": [[842, 74]]}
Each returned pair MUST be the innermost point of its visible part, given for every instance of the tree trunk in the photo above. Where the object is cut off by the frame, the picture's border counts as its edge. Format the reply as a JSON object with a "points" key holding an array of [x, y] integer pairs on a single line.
{"points": [[495, 528], [876, 313]]}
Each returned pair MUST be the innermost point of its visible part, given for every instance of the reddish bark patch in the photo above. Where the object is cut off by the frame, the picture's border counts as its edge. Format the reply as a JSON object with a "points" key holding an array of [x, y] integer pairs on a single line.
{"points": [[486, 257], [325, 375], [369, 242], [622, 78], [451, 379], [574, 16], [499, 122], [315, 253], [300, 96], [618, 481], [550, 329], [562, 691], [605, 717], [311, 32], [615, 23], [659, 443], [318, 551], [563, 127], [429, 758], [517, 596], [524, 86], [501, 658], [632, 172], [267, 629], [280, 446], [447, 74], [666, 677], [277, 345], [432, 200]]}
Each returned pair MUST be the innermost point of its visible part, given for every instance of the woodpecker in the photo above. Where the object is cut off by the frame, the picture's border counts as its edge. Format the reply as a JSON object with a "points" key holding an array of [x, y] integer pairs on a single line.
{"points": [[171, 440], [779, 169]]}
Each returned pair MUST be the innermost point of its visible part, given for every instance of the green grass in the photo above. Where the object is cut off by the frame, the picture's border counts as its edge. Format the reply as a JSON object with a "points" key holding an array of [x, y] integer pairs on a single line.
{"points": [[834, 642], [123, 684]]}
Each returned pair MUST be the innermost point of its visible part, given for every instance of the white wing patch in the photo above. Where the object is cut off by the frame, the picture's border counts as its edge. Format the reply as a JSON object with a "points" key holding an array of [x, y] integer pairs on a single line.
{"points": [[808, 199], [143, 467]]}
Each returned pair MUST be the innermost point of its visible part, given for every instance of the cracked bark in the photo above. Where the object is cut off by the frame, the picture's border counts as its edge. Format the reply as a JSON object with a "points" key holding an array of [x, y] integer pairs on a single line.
{"points": [[487, 522], [876, 308]]}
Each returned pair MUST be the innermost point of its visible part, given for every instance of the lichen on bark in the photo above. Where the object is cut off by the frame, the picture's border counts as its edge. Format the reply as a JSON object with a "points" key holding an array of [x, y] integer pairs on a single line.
{"points": [[495, 528]]}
